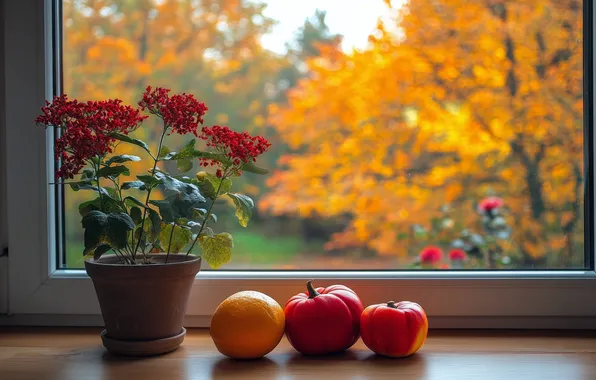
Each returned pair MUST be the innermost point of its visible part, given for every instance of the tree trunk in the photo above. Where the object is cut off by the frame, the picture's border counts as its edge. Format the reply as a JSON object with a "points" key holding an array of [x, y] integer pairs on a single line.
{"points": [[569, 227]]}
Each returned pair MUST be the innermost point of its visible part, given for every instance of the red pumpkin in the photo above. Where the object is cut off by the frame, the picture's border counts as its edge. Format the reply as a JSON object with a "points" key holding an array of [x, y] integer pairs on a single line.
{"points": [[323, 320], [394, 329]]}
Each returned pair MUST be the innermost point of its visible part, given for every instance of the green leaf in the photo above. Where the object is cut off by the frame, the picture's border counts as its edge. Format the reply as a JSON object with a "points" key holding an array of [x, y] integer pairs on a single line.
{"points": [[189, 147], [88, 174], [184, 158], [163, 152], [113, 171], [184, 165], [101, 250], [167, 211], [251, 167], [209, 184], [149, 180], [128, 139], [211, 156], [189, 152], [195, 226], [95, 224], [247, 167], [136, 215], [155, 219], [181, 204], [152, 225], [87, 185], [216, 249], [76, 185], [244, 206], [109, 205], [173, 184], [130, 200], [141, 239], [133, 185], [180, 237], [113, 193], [186, 152], [119, 225], [178, 206], [200, 212], [122, 158], [88, 206]]}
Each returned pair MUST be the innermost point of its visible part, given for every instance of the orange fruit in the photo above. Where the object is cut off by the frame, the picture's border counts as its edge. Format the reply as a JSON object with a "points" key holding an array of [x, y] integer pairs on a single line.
{"points": [[247, 325]]}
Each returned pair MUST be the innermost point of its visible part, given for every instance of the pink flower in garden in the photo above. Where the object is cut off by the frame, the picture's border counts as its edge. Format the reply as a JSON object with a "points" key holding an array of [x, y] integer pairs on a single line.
{"points": [[457, 255], [431, 255], [490, 203]]}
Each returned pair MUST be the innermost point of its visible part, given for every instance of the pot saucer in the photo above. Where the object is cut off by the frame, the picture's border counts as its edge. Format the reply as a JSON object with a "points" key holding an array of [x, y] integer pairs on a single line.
{"points": [[142, 347]]}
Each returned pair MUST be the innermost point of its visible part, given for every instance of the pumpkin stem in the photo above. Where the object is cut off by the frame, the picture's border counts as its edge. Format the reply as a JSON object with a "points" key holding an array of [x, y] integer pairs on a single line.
{"points": [[312, 293], [392, 305]]}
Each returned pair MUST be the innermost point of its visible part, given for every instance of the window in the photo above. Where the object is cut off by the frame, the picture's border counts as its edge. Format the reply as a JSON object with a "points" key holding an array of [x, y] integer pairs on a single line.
{"points": [[411, 137], [435, 135]]}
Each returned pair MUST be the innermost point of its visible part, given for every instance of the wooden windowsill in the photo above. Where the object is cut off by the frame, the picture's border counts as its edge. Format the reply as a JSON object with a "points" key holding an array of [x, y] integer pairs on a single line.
{"points": [[77, 354]]}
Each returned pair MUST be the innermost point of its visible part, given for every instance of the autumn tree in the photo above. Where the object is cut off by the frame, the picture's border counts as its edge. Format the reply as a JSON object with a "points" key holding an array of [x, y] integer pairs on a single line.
{"points": [[452, 101]]}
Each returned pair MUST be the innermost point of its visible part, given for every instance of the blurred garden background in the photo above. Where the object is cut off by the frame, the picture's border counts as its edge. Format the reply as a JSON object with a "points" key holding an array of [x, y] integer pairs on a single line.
{"points": [[434, 134]]}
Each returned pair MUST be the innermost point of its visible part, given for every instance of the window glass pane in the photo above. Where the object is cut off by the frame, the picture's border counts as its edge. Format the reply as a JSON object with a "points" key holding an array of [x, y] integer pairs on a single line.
{"points": [[406, 134]]}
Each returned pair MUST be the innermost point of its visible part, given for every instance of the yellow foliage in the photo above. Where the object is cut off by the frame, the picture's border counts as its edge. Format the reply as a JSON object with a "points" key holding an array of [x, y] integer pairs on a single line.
{"points": [[429, 116]]}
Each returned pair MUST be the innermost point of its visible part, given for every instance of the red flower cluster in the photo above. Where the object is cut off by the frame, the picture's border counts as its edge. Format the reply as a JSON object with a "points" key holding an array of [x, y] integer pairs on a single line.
{"points": [[490, 203], [457, 255], [181, 112], [86, 129], [238, 147], [60, 111], [431, 255]]}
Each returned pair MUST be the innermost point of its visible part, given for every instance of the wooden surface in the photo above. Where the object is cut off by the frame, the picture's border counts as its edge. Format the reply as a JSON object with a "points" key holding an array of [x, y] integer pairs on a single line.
{"points": [[77, 354]]}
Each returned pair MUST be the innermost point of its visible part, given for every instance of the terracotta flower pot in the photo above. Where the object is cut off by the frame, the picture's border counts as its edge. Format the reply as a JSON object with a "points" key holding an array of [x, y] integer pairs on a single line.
{"points": [[143, 306]]}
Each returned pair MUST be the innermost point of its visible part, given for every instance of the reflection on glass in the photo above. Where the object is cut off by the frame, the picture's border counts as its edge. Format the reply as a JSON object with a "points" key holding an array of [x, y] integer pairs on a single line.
{"points": [[433, 134]]}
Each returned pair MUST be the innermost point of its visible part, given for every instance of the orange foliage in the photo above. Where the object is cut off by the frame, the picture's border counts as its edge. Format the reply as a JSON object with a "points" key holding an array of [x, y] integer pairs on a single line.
{"points": [[454, 100]]}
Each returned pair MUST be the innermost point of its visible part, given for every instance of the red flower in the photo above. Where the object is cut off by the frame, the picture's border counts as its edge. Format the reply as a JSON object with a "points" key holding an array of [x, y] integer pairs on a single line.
{"points": [[86, 129], [444, 266], [457, 255], [431, 255], [181, 112], [490, 203], [240, 148]]}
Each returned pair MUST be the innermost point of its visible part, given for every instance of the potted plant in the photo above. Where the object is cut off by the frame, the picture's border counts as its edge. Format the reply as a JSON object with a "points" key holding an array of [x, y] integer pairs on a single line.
{"points": [[143, 252]]}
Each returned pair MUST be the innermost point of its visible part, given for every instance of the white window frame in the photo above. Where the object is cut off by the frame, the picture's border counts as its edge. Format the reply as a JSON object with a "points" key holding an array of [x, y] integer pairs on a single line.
{"points": [[39, 294]]}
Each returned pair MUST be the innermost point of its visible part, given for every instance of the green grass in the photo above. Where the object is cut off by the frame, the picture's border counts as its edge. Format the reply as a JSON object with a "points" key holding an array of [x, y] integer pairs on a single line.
{"points": [[74, 255], [250, 247], [254, 248]]}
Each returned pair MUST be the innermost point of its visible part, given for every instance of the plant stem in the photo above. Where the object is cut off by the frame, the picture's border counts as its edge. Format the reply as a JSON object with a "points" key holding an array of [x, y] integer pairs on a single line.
{"points": [[119, 189], [170, 242], [206, 216], [155, 161], [98, 187], [312, 293], [122, 258]]}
